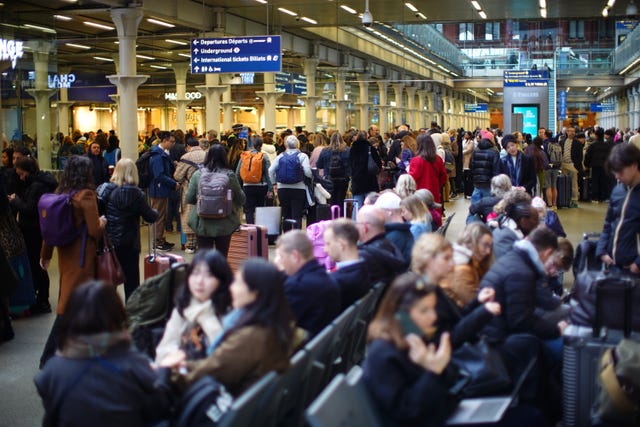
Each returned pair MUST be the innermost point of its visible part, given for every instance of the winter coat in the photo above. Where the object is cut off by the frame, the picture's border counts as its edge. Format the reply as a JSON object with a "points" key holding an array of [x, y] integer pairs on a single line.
{"points": [[213, 227], [313, 296], [597, 154], [399, 233], [484, 164], [162, 182], [467, 151], [384, 259], [324, 161], [514, 277], [353, 282], [123, 207], [270, 151], [183, 174], [100, 168], [361, 181], [462, 284], [522, 174], [25, 204], [72, 274], [429, 175], [484, 206]]}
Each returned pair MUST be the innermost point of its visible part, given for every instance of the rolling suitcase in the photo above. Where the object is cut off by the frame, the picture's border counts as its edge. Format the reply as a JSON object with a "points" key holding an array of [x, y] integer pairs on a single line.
{"points": [[583, 348], [247, 241], [564, 190], [155, 263]]}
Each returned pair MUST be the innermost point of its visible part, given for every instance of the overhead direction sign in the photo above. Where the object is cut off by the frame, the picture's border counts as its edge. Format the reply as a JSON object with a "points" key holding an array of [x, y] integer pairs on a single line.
{"points": [[526, 78], [602, 107], [259, 54], [481, 107], [293, 83]]}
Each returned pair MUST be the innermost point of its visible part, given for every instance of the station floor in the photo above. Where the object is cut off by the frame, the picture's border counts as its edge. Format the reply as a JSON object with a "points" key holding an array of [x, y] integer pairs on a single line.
{"points": [[20, 405]]}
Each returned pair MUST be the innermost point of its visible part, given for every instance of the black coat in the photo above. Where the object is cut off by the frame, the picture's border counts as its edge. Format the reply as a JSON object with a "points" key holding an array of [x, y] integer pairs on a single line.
{"points": [[313, 296], [527, 177], [353, 281], [484, 206], [26, 201], [123, 207], [576, 153], [464, 324], [485, 164], [597, 154], [100, 169], [626, 250], [361, 181], [399, 233], [514, 277], [384, 260]]}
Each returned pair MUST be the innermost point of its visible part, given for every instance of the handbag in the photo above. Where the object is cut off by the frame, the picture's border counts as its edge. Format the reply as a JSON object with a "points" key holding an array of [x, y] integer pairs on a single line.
{"points": [[372, 166], [484, 367], [108, 268]]}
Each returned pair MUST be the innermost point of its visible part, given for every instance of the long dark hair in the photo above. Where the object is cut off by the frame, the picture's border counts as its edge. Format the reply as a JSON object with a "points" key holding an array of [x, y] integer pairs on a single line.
{"points": [[216, 158], [426, 147], [270, 308], [219, 268], [77, 175], [92, 308]]}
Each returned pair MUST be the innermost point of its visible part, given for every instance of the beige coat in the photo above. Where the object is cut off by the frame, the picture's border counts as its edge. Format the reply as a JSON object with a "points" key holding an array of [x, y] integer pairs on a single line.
{"points": [[182, 175]]}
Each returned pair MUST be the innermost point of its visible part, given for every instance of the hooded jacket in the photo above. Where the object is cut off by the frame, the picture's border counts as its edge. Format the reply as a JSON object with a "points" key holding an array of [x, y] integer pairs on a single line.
{"points": [[485, 164], [26, 201]]}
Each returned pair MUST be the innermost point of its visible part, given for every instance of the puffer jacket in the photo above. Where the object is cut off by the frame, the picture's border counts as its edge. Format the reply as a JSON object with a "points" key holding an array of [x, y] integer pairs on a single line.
{"points": [[26, 200], [597, 154], [123, 207], [485, 164]]}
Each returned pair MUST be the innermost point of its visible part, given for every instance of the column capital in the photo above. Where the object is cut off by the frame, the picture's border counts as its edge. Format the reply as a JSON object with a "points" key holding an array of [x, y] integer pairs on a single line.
{"points": [[180, 70], [211, 89], [126, 82], [39, 46], [310, 99], [127, 20], [267, 95], [115, 97], [41, 94]]}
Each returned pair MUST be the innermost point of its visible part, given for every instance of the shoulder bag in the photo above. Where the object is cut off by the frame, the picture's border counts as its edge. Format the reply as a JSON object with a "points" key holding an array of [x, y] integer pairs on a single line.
{"points": [[108, 268]]}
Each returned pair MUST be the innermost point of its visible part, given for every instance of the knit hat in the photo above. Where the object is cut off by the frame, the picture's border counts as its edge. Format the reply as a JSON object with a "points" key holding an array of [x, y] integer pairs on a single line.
{"points": [[485, 134], [508, 138]]}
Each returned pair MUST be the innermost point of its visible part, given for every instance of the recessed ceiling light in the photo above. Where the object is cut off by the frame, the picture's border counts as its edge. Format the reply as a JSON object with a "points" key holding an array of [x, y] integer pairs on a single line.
{"points": [[97, 25], [588, 89], [102, 58], [262, 1], [159, 67], [309, 20], [62, 17], [79, 46], [38, 27], [543, 4], [176, 42], [159, 22], [145, 57], [411, 7], [287, 11], [476, 5], [348, 9]]}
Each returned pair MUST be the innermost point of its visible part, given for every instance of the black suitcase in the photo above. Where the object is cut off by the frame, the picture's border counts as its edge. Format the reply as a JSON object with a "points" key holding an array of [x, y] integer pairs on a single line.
{"points": [[564, 190]]}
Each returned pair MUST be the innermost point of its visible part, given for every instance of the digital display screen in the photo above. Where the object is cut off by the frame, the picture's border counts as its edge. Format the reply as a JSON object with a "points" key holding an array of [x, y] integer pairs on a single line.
{"points": [[530, 117]]}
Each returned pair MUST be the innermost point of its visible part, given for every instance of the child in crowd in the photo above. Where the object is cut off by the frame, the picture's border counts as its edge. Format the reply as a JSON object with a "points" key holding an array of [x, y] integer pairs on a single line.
{"points": [[415, 212]]}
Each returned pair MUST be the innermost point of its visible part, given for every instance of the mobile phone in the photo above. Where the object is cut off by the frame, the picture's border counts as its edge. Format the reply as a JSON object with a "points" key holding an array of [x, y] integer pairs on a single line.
{"points": [[407, 324]]}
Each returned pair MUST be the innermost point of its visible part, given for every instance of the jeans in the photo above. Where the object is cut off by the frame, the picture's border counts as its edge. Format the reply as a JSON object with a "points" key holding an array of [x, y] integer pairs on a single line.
{"points": [[360, 201]]}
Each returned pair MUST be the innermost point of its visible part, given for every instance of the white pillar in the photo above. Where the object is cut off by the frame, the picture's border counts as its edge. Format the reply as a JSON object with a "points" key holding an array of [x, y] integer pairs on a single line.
{"points": [[364, 103], [126, 21], [383, 106], [180, 70], [310, 67], [411, 106], [422, 107], [227, 109], [212, 91], [399, 109], [340, 102], [269, 97]]}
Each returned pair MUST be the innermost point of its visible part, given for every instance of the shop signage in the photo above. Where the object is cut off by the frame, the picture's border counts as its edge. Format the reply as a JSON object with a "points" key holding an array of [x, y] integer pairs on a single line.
{"points": [[172, 96], [11, 50], [60, 81]]}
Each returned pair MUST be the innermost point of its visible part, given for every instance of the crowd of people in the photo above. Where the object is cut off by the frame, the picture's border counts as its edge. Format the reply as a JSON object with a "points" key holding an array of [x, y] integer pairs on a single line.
{"points": [[500, 280]]}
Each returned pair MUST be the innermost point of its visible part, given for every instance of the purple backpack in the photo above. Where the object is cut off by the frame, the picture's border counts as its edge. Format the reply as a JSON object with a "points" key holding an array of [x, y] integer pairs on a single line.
{"points": [[56, 219]]}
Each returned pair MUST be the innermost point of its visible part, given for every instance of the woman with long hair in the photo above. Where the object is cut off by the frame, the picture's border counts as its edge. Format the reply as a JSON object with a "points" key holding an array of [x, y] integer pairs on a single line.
{"points": [[427, 168], [320, 141], [95, 378], [334, 164], [215, 232], [124, 203], [257, 336], [76, 261], [201, 303], [363, 180], [415, 212]]}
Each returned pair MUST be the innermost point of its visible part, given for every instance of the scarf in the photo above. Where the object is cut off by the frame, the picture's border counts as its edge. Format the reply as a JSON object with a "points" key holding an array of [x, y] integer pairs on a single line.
{"points": [[94, 345], [229, 321]]}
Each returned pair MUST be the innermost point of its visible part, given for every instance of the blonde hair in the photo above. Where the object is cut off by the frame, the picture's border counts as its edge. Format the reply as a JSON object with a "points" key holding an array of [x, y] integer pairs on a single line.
{"points": [[410, 143], [405, 186], [416, 207], [470, 239], [425, 248], [125, 172]]}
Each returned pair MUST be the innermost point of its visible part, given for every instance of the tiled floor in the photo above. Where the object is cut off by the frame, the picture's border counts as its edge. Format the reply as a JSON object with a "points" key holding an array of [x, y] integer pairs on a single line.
{"points": [[19, 402]]}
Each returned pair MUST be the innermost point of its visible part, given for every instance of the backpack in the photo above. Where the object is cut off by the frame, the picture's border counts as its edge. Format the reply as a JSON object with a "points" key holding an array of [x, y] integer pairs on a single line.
{"points": [[144, 169], [449, 161], [336, 167], [289, 168], [214, 194], [251, 167], [111, 157], [203, 404], [555, 154], [57, 225]]}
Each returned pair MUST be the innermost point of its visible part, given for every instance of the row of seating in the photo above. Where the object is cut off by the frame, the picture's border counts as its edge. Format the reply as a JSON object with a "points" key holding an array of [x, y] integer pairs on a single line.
{"points": [[280, 400]]}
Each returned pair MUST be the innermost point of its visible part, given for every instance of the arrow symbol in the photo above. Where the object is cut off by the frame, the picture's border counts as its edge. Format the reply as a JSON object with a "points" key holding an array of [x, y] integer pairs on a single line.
{"points": [[196, 42], [196, 60], [196, 68], [196, 51]]}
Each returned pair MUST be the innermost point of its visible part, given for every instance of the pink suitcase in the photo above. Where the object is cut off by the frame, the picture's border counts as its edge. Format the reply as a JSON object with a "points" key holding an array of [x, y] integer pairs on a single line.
{"points": [[155, 263], [248, 241]]}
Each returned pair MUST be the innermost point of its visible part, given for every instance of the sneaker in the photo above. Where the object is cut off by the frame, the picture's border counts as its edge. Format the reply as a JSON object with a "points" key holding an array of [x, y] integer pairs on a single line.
{"points": [[164, 246], [190, 250], [573, 204]]}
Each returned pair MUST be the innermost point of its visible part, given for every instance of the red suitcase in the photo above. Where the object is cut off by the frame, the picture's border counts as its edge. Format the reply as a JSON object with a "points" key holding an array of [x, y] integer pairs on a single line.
{"points": [[155, 263], [248, 241]]}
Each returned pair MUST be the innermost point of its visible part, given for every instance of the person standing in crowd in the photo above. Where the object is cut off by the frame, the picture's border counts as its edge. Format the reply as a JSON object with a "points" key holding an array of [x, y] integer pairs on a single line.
{"points": [[572, 162], [10, 246], [288, 172], [540, 162], [76, 261], [482, 210], [363, 180], [257, 336], [427, 168], [518, 166], [162, 184], [187, 166], [319, 144], [485, 164], [257, 187], [617, 247], [99, 163], [595, 159], [25, 204], [95, 358], [215, 232], [468, 146], [334, 164], [124, 203]]}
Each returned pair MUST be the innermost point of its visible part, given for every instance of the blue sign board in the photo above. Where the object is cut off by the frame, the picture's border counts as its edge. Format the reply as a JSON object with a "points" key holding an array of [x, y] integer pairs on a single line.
{"points": [[562, 105], [602, 108], [291, 83], [526, 78], [481, 107], [258, 54]]}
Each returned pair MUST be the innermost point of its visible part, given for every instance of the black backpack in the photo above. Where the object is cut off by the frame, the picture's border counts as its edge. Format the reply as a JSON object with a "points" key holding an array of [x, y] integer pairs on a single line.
{"points": [[336, 166], [144, 169], [203, 404]]}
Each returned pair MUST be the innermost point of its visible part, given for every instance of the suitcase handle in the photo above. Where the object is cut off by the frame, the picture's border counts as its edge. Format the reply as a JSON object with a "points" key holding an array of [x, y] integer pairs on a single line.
{"points": [[335, 211], [626, 288]]}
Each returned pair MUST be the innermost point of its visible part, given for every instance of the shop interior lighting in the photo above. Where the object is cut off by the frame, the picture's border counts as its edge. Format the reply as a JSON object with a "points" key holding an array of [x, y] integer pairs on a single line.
{"points": [[309, 20], [348, 9], [98, 25], [79, 46], [287, 11], [62, 17], [159, 22], [176, 42], [411, 7]]}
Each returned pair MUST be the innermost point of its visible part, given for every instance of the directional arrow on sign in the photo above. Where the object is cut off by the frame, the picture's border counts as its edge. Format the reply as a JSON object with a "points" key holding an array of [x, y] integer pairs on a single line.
{"points": [[196, 51], [196, 42], [196, 68], [196, 60]]}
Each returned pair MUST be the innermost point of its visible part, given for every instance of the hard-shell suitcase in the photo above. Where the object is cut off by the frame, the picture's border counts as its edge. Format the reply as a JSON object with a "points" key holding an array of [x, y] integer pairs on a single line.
{"points": [[247, 241], [155, 263], [564, 190]]}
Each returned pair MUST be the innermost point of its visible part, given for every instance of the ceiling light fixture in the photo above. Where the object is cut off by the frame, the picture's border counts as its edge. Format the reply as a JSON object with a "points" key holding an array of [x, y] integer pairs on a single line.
{"points": [[145, 57], [610, 3], [159, 67], [159, 22], [287, 11], [476, 5], [543, 4], [421, 16], [605, 12], [482, 14], [97, 25], [568, 89], [588, 89], [185, 55], [628, 67], [62, 17], [543, 13], [79, 46], [38, 27], [348, 9], [176, 42], [411, 7], [309, 20], [102, 58], [262, 1]]}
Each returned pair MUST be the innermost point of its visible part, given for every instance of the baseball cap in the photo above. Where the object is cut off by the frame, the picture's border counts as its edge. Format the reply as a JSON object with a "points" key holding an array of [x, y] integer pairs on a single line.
{"points": [[427, 197], [388, 200]]}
